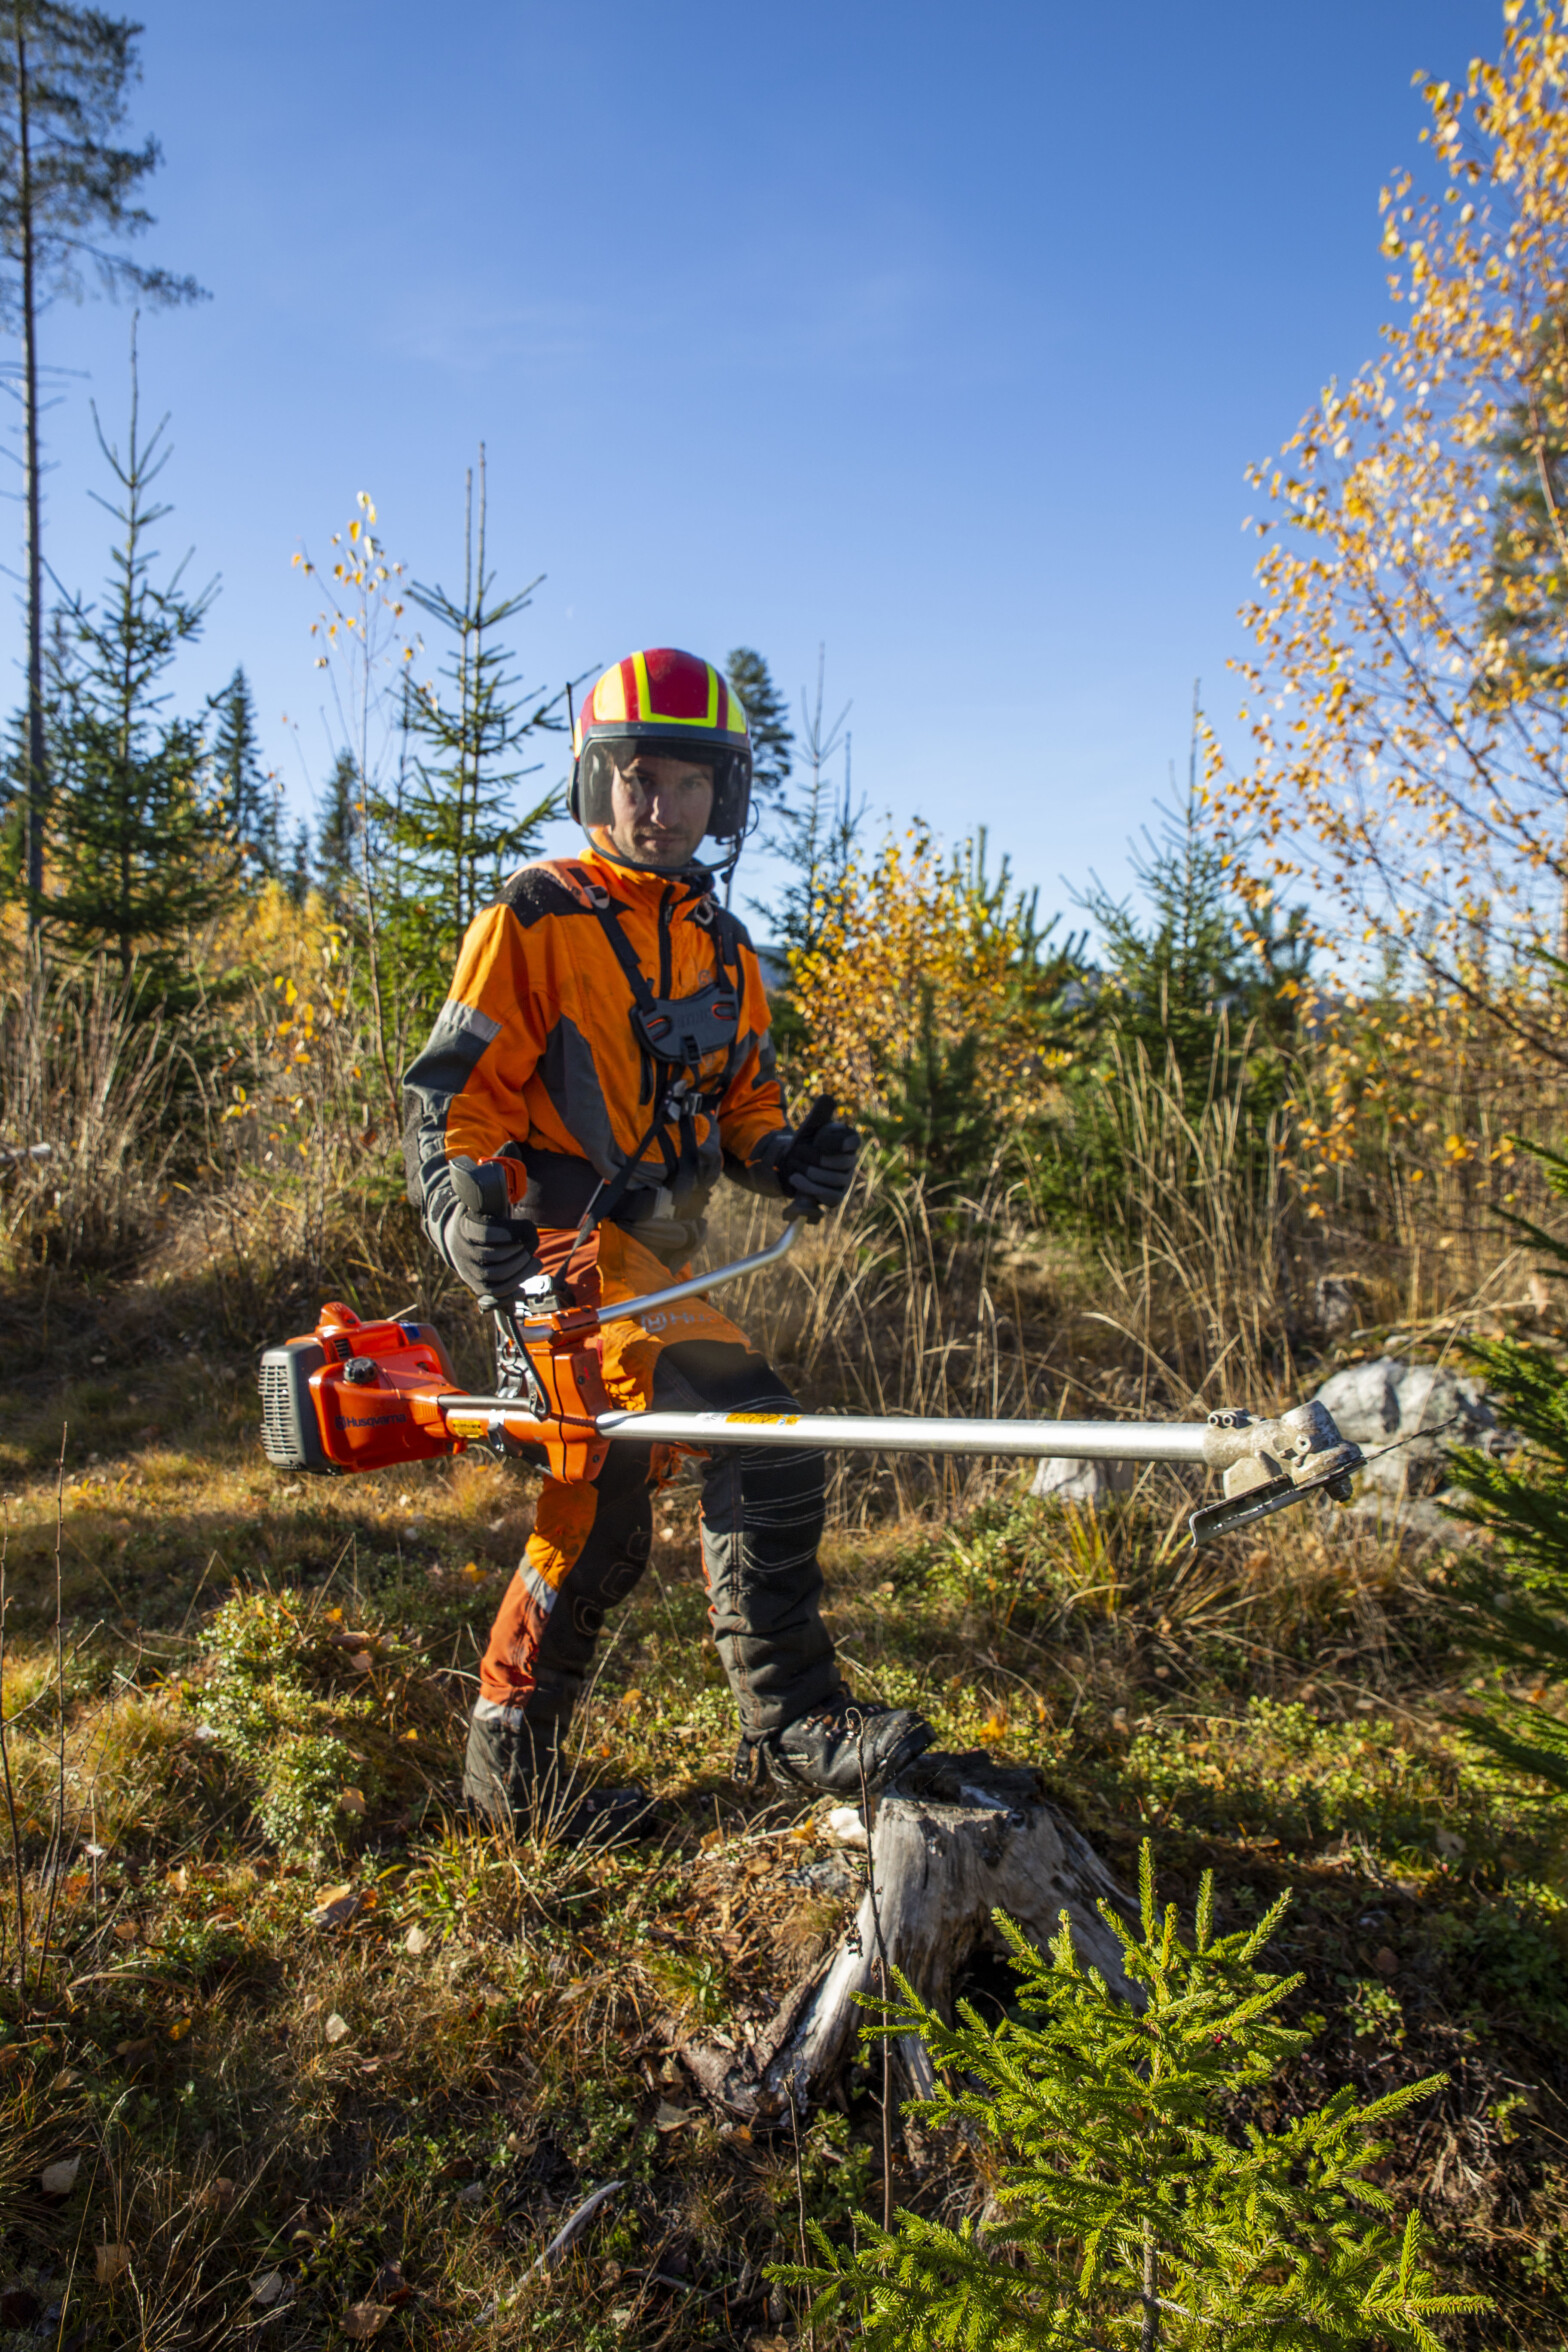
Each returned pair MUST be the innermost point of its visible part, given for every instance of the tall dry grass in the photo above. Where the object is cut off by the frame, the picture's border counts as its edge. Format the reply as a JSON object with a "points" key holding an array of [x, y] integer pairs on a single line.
{"points": [[87, 1095], [222, 1150], [1226, 1274], [301, 1170], [1199, 1279], [236, 1157], [896, 1306]]}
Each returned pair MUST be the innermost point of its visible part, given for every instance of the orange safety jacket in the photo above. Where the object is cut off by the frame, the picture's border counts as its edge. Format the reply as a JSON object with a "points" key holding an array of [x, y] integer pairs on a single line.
{"points": [[539, 1053]]}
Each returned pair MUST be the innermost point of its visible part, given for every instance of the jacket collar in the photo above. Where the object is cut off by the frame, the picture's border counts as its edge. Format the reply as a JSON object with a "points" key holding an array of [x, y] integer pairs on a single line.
{"points": [[643, 883]]}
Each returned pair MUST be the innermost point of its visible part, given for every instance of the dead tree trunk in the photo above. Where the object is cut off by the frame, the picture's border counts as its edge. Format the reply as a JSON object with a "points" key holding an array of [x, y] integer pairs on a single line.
{"points": [[956, 1838]]}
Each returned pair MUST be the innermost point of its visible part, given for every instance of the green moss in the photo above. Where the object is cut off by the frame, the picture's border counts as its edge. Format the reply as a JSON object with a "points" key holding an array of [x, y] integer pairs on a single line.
{"points": [[270, 1699]]}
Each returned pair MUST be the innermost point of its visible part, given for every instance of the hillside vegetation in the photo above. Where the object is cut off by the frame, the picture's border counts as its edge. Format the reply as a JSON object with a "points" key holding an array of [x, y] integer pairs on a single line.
{"points": [[290, 2053], [333, 2064]]}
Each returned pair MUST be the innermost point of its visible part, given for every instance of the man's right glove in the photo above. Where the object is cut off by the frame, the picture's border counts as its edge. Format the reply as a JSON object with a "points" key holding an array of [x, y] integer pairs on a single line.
{"points": [[820, 1160], [484, 1244]]}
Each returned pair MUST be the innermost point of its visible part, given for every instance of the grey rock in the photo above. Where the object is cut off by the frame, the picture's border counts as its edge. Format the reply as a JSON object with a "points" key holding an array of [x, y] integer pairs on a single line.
{"points": [[1410, 1525], [1422, 1409], [1060, 1481]]}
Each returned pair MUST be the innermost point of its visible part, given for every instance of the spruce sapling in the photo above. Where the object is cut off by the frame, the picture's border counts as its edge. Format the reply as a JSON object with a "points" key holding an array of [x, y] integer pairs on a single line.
{"points": [[452, 821], [767, 722], [1140, 2204], [1522, 1500]]}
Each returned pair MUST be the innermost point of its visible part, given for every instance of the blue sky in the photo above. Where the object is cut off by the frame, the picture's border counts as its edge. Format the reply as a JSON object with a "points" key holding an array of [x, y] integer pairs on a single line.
{"points": [[940, 337]]}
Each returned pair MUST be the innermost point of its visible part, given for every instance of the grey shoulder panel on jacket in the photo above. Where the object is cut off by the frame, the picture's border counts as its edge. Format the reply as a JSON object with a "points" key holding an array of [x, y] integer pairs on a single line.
{"points": [[534, 892]]}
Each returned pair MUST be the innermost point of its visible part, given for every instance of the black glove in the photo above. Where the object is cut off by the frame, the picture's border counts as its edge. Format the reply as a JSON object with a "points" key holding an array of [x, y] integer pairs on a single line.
{"points": [[820, 1159], [486, 1246]]}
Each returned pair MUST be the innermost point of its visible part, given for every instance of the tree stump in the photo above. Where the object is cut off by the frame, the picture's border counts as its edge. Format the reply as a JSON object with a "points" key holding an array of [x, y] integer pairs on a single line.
{"points": [[954, 1839]]}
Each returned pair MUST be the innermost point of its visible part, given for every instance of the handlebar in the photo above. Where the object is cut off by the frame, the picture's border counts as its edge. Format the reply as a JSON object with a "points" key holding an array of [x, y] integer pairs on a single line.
{"points": [[629, 1309], [485, 1188], [799, 1212]]}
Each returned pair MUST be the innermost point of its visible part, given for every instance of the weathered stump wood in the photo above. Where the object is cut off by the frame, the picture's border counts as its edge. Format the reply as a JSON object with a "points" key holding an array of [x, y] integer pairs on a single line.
{"points": [[954, 1839]]}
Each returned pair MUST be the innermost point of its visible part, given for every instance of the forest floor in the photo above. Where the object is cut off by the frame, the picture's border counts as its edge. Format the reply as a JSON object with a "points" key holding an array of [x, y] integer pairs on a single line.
{"points": [[303, 2059]]}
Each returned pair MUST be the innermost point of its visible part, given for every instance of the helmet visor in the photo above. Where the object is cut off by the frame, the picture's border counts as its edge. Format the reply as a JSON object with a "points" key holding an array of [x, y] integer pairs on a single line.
{"points": [[607, 757]]}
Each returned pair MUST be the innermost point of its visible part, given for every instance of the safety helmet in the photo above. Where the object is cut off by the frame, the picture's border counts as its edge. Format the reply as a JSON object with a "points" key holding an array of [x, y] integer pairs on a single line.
{"points": [[668, 702]]}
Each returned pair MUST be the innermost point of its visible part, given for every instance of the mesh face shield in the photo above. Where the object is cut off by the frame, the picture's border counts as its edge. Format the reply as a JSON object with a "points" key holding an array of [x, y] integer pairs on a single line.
{"points": [[604, 756]]}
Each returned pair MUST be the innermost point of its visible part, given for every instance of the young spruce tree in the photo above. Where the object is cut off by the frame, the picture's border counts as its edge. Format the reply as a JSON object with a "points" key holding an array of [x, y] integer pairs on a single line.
{"points": [[1141, 2207], [454, 824], [67, 208], [141, 851], [1191, 1006], [247, 794], [337, 835], [296, 878], [767, 720], [939, 1120], [1512, 1598], [813, 832]]}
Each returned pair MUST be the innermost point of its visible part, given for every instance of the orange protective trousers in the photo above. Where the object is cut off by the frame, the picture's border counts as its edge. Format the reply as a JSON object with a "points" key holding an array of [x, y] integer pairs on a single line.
{"points": [[762, 1513]]}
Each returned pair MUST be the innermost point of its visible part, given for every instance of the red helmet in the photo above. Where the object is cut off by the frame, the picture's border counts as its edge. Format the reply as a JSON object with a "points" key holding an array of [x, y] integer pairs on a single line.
{"points": [[677, 704]]}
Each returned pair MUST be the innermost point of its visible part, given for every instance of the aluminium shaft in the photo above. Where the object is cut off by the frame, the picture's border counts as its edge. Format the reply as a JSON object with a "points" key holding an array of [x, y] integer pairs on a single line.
{"points": [[1302, 1446], [1078, 1441]]}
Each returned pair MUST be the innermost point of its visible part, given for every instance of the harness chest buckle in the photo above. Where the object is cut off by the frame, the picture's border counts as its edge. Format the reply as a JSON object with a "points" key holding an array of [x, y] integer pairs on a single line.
{"points": [[687, 1029]]}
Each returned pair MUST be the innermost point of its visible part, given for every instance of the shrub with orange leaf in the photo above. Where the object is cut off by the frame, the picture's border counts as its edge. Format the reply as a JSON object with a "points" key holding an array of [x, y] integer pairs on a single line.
{"points": [[911, 942], [1408, 695]]}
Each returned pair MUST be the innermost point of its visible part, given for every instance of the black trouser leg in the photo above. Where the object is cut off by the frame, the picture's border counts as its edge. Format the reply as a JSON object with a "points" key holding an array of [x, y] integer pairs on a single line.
{"points": [[762, 1515]]}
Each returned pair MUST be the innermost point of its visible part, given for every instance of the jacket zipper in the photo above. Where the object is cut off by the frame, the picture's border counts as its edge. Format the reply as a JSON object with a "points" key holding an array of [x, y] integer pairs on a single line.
{"points": [[666, 914]]}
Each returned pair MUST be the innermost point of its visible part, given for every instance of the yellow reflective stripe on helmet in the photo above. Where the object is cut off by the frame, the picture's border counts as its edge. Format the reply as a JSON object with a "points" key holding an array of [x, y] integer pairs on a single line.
{"points": [[608, 700], [661, 718]]}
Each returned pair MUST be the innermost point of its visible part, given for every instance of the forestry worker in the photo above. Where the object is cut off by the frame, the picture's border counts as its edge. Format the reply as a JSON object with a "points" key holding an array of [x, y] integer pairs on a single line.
{"points": [[607, 1035]]}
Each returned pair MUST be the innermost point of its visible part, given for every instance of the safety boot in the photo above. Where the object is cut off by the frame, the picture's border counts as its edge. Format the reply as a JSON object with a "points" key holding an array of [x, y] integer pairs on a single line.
{"points": [[841, 1744], [514, 1778]]}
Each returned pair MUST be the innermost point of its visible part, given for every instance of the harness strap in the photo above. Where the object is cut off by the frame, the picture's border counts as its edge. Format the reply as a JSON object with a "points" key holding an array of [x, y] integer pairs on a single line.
{"points": [[677, 1100], [636, 978]]}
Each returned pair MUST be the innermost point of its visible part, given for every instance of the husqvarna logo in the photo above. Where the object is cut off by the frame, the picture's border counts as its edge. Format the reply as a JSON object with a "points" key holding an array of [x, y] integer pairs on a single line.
{"points": [[692, 1317]]}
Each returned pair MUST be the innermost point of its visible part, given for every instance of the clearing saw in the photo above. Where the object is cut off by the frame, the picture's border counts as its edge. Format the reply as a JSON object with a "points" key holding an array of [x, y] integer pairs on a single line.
{"points": [[355, 1395]]}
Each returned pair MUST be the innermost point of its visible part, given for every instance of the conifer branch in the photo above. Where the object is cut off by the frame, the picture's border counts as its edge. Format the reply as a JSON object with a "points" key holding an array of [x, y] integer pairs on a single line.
{"points": [[1142, 2201]]}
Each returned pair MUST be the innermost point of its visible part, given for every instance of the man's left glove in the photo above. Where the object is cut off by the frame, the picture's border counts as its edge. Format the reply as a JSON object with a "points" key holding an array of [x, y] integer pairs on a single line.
{"points": [[819, 1161]]}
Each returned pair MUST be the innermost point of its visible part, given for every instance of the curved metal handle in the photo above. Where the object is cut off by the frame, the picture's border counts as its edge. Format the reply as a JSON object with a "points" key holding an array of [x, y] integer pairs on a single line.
{"points": [[629, 1309], [799, 1211]]}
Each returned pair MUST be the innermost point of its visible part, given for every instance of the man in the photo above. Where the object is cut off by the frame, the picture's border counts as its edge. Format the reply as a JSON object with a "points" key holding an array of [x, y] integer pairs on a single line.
{"points": [[607, 1034]]}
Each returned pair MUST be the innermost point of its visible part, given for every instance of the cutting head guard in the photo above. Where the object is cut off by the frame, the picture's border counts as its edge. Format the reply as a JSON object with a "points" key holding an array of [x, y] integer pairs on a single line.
{"points": [[675, 704]]}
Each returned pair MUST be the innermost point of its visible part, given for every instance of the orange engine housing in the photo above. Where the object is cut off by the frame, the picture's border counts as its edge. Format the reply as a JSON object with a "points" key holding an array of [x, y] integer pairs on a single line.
{"points": [[356, 1396], [370, 1396]]}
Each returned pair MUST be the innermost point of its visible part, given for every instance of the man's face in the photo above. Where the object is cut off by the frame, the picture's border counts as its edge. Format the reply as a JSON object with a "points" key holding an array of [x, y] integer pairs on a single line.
{"points": [[659, 810]]}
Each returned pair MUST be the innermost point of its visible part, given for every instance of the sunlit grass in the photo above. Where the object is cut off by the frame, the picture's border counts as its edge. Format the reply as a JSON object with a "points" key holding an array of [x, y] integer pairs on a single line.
{"points": [[325, 2032]]}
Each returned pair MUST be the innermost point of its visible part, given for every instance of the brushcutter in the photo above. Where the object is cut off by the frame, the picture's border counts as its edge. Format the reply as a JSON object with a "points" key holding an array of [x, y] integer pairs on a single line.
{"points": [[355, 1395]]}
